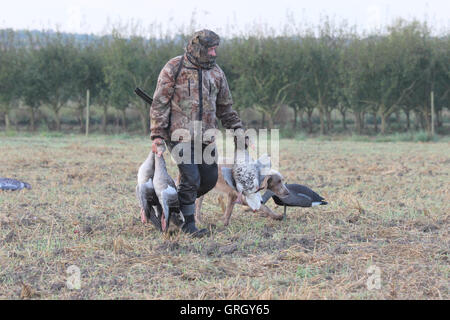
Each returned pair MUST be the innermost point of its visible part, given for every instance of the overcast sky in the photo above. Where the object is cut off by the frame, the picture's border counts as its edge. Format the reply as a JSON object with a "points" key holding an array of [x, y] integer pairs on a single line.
{"points": [[225, 17]]}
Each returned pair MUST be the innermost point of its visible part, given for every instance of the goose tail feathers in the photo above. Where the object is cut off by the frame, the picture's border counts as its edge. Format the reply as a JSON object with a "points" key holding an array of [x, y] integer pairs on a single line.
{"points": [[318, 203]]}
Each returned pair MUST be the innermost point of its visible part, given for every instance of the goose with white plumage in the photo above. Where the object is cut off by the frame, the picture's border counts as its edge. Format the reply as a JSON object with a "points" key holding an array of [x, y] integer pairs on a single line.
{"points": [[247, 177]]}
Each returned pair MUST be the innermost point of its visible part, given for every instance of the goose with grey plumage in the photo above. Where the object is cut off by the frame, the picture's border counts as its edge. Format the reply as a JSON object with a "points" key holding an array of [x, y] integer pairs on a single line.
{"points": [[299, 196], [166, 191], [13, 184], [145, 191]]}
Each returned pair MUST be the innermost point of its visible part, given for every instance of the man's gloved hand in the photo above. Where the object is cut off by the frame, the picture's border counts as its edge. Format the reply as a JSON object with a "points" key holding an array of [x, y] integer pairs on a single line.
{"points": [[158, 146]]}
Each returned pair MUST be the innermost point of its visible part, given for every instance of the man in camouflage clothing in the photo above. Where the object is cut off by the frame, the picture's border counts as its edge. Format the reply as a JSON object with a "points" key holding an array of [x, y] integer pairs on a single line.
{"points": [[192, 89]]}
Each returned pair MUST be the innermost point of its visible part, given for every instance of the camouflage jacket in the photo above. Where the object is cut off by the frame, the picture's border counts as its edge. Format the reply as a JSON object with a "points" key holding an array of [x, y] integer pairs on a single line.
{"points": [[189, 103]]}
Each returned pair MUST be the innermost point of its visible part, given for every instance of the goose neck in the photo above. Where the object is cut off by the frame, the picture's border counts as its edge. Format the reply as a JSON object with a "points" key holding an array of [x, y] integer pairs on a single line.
{"points": [[160, 163]]}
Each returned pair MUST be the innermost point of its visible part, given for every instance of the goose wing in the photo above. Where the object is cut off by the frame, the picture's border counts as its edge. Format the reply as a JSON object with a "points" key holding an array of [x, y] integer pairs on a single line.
{"points": [[246, 177], [149, 202], [166, 192], [146, 194], [263, 161], [155, 214], [301, 189], [293, 200], [266, 196], [254, 200], [227, 174], [263, 166]]}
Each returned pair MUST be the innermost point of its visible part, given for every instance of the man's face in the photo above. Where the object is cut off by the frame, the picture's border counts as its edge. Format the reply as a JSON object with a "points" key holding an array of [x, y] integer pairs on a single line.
{"points": [[212, 51]]}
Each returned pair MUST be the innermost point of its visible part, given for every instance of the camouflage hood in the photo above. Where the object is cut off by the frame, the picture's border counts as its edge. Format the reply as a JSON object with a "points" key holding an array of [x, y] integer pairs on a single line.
{"points": [[197, 48]]}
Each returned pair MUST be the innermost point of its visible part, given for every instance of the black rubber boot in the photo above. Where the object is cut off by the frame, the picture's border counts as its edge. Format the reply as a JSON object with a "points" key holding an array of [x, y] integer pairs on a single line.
{"points": [[190, 228]]}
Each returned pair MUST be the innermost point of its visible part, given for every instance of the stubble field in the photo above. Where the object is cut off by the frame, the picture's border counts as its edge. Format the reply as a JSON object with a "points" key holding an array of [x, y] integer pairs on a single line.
{"points": [[388, 211]]}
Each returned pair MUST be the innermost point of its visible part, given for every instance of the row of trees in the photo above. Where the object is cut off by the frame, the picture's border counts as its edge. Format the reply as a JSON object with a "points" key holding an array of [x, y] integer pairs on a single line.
{"points": [[317, 70], [56, 70]]}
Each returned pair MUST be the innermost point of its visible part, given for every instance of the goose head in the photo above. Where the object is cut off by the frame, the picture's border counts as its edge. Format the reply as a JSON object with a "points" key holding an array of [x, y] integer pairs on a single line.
{"points": [[160, 148]]}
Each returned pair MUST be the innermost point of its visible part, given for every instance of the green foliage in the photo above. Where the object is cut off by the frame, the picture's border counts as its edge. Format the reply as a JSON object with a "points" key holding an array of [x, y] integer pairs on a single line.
{"points": [[132, 62], [420, 136], [313, 71], [10, 74]]}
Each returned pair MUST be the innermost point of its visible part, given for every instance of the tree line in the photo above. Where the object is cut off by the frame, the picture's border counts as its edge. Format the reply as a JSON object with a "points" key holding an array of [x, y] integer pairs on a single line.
{"points": [[315, 71]]}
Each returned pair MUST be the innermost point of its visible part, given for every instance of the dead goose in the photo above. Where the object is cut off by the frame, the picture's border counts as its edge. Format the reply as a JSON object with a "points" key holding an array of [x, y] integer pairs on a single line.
{"points": [[246, 176], [12, 184], [145, 191], [166, 192], [299, 196]]}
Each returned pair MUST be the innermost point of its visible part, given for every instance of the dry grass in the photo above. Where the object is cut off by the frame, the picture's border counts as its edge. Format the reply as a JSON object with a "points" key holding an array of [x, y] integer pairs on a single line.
{"points": [[389, 206]]}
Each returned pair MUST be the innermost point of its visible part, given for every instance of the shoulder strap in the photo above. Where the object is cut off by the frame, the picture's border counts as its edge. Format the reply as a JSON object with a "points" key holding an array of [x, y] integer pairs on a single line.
{"points": [[180, 66]]}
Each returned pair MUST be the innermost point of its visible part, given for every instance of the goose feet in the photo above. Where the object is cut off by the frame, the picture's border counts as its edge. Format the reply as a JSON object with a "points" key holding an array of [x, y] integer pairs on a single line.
{"points": [[163, 223]]}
